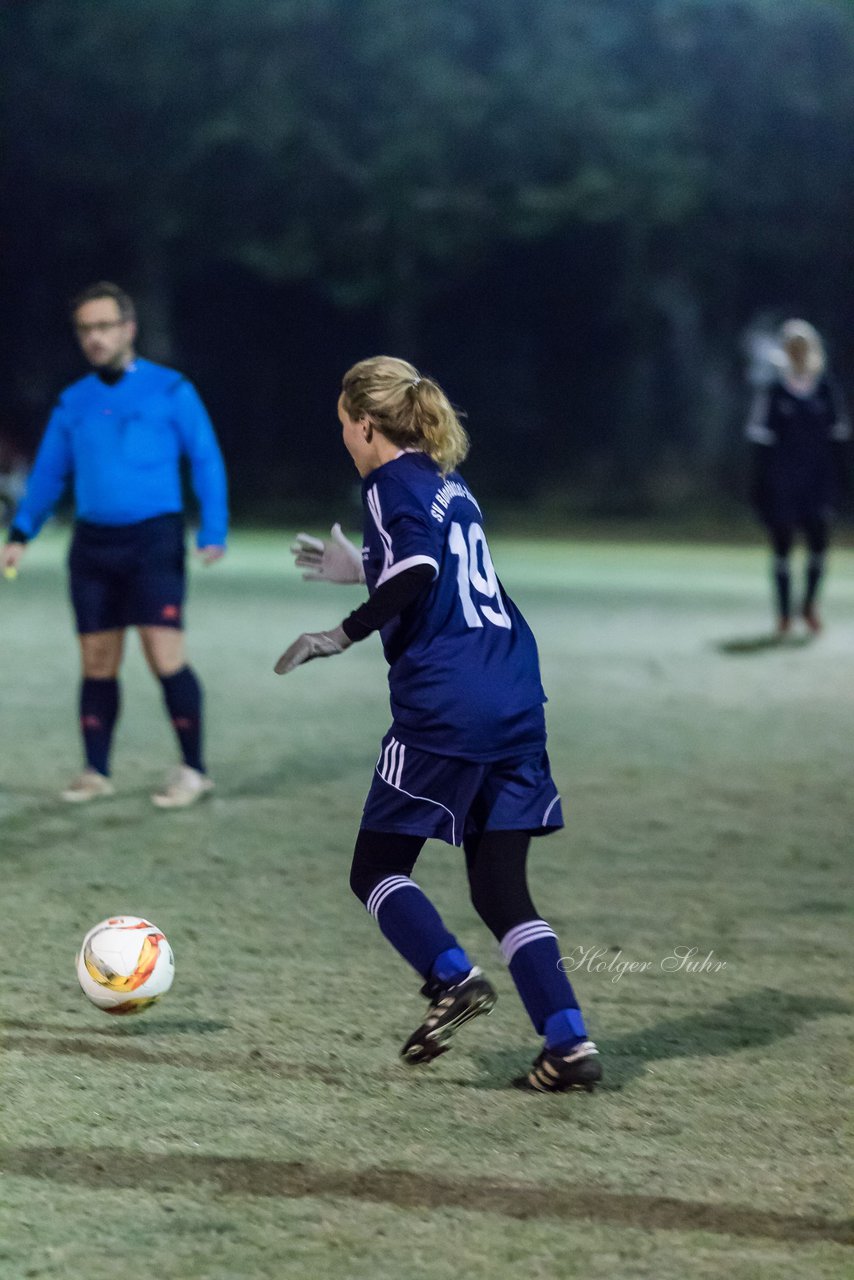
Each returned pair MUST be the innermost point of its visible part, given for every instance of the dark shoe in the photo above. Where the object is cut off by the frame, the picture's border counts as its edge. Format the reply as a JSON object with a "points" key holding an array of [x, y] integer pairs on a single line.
{"points": [[449, 1008], [811, 618], [580, 1069]]}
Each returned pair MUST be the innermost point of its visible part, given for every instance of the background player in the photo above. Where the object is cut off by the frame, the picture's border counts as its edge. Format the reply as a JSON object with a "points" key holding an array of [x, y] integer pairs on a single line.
{"points": [[119, 434], [465, 758], [800, 437]]}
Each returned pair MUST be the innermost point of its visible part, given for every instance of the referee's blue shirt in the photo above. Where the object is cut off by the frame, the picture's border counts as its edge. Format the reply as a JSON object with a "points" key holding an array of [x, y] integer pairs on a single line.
{"points": [[123, 445]]}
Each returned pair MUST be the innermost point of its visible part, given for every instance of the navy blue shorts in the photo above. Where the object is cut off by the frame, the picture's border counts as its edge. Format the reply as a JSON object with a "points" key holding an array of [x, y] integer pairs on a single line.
{"points": [[442, 797], [128, 575]]}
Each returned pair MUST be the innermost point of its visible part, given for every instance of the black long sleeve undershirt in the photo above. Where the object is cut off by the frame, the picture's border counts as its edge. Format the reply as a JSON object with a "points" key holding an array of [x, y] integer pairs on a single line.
{"points": [[388, 601]]}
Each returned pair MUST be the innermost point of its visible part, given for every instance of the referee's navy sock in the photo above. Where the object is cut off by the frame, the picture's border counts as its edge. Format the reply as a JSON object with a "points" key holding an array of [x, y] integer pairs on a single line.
{"points": [[783, 586], [99, 710], [533, 955], [183, 695], [415, 929], [815, 571]]}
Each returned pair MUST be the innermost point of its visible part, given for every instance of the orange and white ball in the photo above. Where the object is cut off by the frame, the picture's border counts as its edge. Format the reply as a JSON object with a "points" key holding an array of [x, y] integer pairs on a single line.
{"points": [[125, 964]]}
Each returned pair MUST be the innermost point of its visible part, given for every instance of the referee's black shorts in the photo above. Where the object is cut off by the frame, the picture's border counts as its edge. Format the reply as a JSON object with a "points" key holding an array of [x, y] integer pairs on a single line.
{"points": [[128, 575]]}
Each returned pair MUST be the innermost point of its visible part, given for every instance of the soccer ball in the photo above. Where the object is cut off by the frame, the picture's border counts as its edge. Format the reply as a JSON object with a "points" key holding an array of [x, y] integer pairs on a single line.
{"points": [[125, 964]]}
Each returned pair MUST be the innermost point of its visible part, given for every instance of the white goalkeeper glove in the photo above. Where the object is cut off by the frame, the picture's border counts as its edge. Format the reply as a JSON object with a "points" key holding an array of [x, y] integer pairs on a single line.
{"points": [[336, 560], [312, 644]]}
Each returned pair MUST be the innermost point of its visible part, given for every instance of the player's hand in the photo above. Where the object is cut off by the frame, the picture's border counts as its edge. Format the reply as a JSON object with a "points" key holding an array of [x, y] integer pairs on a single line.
{"points": [[312, 644], [208, 555], [336, 560], [10, 558]]}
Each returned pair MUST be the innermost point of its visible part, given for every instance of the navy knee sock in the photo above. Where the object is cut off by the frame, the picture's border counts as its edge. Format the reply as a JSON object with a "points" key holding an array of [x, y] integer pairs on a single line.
{"points": [[99, 710], [532, 953], [183, 695], [415, 929]]}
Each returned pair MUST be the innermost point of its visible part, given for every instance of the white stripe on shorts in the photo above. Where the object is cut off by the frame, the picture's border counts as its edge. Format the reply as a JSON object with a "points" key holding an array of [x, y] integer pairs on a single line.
{"points": [[390, 763], [385, 889], [521, 934], [545, 821], [390, 769]]}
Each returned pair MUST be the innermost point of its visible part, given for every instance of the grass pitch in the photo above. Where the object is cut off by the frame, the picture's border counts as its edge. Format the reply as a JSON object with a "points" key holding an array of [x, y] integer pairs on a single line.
{"points": [[258, 1122]]}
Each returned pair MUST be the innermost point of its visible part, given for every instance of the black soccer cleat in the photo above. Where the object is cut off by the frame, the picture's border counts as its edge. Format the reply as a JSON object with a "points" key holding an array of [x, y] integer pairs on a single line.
{"points": [[449, 1008], [580, 1069]]}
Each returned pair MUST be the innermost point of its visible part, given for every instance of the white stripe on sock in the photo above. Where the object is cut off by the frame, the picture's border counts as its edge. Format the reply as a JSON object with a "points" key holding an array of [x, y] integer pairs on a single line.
{"points": [[531, 933], [521, 934], [385, 889]]}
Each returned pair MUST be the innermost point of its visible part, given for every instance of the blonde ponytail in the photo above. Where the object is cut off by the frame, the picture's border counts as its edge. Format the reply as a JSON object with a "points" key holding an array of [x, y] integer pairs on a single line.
{"points": [[803, 331], [410, 410]]}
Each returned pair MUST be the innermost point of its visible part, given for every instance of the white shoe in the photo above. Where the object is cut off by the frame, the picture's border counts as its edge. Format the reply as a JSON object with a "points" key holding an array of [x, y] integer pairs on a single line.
{"points": [[89, 785], [183, 786]]}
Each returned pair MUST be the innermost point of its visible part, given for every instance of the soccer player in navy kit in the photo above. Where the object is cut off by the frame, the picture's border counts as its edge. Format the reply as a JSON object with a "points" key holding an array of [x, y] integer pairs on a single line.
{"points": [[465, 759], [800, 440], [120, 434]]}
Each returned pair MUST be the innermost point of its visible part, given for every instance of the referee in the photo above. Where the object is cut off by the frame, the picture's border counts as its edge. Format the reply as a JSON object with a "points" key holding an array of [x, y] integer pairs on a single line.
{"points": [[119, 435], [801, 440]]}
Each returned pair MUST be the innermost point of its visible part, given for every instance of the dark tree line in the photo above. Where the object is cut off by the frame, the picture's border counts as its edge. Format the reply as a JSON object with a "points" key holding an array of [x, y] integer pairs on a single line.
{"points": [[568, 209]]}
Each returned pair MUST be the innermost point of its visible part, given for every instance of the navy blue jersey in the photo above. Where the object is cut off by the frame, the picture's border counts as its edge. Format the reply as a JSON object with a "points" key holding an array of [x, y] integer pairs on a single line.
{"points": [[463, 666], [800, 443], [121, 444]]}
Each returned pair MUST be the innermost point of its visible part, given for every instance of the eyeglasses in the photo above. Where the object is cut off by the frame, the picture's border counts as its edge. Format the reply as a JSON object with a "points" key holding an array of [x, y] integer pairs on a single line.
{"points": [[99, 326]]}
